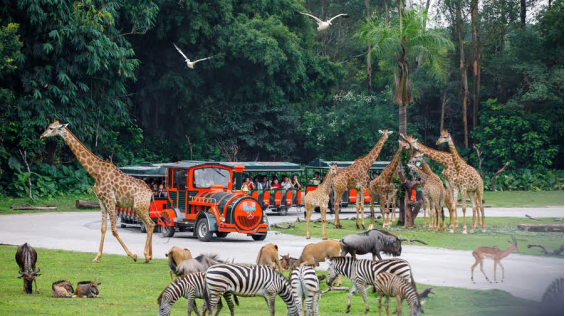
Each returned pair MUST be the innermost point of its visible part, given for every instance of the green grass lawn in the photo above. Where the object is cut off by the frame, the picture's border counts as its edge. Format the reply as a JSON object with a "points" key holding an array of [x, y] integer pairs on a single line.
{"points": [[130, 288], [523, 198], [65, 203], [498, 231]]}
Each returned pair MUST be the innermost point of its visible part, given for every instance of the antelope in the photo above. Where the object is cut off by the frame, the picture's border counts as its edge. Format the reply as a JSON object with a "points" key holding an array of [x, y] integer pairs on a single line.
{"points": [[494, 253]]}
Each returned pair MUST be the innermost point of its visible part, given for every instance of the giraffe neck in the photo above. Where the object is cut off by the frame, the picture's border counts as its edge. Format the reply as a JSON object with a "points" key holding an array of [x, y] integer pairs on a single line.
{"points": [[457, 160], [367, 161], [426, 168], [86, 158], [389, 170], [422, 175], [326, 186], [436, 155]]}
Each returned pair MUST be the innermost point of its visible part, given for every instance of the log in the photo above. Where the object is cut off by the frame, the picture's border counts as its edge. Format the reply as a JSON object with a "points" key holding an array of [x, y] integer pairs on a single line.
{"points": [[412, 241], [336, 288], [277, 225], [551, 228], [86, 204], [426, 292], [532, 218], [545, 251], [27, 207], [468, 201]]}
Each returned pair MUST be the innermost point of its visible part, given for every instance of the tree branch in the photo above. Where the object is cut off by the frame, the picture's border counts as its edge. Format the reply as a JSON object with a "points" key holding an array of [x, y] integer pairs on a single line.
{"points": [[24, 157], [545, 251], [492, 182]]}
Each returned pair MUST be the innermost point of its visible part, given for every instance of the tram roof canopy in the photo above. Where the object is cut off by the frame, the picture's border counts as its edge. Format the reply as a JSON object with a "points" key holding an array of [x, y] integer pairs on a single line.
{"points": [[322, 164]]}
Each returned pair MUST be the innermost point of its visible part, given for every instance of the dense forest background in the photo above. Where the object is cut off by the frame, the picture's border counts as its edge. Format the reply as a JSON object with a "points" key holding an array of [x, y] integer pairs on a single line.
{"points": [[489, 71]]}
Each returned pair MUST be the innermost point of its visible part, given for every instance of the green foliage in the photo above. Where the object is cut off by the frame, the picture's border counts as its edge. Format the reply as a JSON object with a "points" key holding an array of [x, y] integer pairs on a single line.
{"points": [[528, 180]]}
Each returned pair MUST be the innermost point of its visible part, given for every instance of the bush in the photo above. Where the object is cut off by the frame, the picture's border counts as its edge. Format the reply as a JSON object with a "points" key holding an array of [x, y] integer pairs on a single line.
{"points": [[527, 180]]}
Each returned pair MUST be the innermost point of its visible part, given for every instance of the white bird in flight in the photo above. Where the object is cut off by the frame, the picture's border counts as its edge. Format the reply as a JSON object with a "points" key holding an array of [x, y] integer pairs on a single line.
{"points": [[322, 25], [189, 63]]}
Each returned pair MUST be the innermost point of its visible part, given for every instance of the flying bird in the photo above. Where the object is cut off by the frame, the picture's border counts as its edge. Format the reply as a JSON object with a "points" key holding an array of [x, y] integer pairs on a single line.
{"points": [[322, 25], [189, 63]]}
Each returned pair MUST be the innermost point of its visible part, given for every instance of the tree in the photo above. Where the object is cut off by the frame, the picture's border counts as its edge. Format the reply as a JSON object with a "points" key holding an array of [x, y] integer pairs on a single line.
{"points": [[400, 46]]}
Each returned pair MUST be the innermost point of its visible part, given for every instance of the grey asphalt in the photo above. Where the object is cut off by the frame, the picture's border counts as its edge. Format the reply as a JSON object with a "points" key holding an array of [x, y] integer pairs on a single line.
{"points": [[526, 276]]}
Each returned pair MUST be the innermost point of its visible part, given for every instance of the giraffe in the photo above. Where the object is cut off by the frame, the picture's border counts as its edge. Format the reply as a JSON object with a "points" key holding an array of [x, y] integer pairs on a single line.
{"points": [[383, 188], [419, 157], [434, 198], [320, 198], [449, 174], [356, 177], [112, 188], [468, 181]]}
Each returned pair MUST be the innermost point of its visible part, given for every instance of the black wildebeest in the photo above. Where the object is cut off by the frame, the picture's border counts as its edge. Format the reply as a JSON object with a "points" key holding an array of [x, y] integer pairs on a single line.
{"points": [[198, 264], [26, 257], [373, 241], [87, 289]]}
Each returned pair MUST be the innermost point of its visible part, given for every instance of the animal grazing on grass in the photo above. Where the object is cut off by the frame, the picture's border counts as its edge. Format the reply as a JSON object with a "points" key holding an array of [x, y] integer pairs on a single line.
{"points": [[305, 283], [394, 286], [287, 262], [113, 188], [63, 288], [87, 289], [192, 265], [249, 281], [190, 286], [176, 255], [269, 256], [320, 198], [363, 272], [494, 253], [26, 258], [373, 241]]}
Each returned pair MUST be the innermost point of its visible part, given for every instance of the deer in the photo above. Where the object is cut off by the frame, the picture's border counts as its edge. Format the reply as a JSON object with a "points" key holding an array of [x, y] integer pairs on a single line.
{"points": [[494, 253]]}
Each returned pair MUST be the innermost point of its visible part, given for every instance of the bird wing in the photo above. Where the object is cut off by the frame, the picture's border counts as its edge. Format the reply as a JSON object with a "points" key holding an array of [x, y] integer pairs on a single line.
{"points": [[310, 16], [337, 16], [183, 55], [202, 59]]}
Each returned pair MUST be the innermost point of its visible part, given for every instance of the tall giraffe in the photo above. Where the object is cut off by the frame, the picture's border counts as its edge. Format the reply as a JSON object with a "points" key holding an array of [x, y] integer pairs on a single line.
{"points": [[468, 181], [383, 188], [112, 188], [356, 177], [449, 174], [419, 157], [320, 198], [434, 196]]}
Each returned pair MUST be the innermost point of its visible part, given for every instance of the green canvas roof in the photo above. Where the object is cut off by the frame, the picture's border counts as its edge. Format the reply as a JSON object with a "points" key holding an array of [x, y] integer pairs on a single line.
{"points": [[146, 169], [322, 164], [266, 166]]}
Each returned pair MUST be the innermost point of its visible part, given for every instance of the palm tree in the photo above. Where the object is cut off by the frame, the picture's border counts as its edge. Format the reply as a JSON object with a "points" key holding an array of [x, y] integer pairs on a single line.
{"points": [[402, 46]]}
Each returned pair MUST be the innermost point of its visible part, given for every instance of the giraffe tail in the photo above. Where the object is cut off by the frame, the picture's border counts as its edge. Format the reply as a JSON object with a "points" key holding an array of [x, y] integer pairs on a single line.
{"points": [[442, 214]]}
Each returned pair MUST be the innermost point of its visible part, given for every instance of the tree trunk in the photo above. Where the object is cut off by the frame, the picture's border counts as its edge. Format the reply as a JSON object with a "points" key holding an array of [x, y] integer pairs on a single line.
{"points": [[462, 71], [86, 204], [476, 60], [443, 102], [523, 14], [386, 12], [369, 83], [402, 120]]}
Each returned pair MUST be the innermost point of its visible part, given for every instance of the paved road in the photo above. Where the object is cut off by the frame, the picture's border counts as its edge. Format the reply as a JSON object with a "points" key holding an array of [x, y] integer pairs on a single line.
{"points": [[526, 276]]}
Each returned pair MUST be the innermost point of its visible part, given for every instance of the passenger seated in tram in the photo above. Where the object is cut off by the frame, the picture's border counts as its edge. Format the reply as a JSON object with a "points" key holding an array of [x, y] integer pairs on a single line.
{"points": [[316, 179], [295, 184], [154, 188], [247, 185], [265, 184], [374, 175], [162, 193], [285, 184], [275, 184], [273, 178], [256, 182]]}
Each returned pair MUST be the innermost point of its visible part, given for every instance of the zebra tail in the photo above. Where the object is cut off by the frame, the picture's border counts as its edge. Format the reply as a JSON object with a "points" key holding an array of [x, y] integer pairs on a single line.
{"points": [[173, 266], [207, 299], [235, 299]]}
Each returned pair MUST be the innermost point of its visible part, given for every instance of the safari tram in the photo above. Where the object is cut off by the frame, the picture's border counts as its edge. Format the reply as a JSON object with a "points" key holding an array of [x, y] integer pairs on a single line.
{"points": [[200, 198]]}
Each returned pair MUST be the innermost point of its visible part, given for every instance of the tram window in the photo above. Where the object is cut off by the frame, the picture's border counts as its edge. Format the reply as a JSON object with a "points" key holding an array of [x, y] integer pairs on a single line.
{"points": [[180, 179], [206, 177]]}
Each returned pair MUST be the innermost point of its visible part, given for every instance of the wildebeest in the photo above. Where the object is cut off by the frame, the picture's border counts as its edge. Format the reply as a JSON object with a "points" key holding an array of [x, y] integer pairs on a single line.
{"points": [[287, 262], [63, 288], [26, 257], [373, 241], [198, 264], [177, 255], [87, 289], [269, 256]]}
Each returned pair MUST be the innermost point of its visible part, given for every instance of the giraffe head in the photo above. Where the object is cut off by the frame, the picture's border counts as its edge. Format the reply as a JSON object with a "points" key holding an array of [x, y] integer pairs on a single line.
{"points": [[444, 137], [418, 157], [386, 133], [412, 142], [333, 168], [53, 129]]}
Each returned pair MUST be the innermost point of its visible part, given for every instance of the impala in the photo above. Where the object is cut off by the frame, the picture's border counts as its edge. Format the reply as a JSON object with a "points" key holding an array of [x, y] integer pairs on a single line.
{"points": [[494, 253]]}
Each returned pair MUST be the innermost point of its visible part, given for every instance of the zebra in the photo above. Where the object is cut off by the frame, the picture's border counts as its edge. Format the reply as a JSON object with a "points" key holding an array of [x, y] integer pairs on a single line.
{"points": [[190, 286], [393, 285], [363, 272], [552, 301], [249, 281], [305, 282]]}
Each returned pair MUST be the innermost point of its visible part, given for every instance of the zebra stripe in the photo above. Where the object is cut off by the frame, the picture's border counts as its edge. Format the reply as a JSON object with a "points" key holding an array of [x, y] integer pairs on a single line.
{"points": [[190, 286], [363, 273], [394, 286], [249, 281], [305, 283]]}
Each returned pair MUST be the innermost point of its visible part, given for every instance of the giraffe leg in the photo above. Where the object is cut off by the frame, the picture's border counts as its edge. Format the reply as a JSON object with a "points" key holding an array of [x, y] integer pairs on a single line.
{"points": [[103, 229], [360, 205], [112, 214], [474, 205], [424, 225], [149, 226], [372, 202], [323, 210], [383, 210], [393, 210], [481, 207], [338, 193], [309, 208], [454, 196]]}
